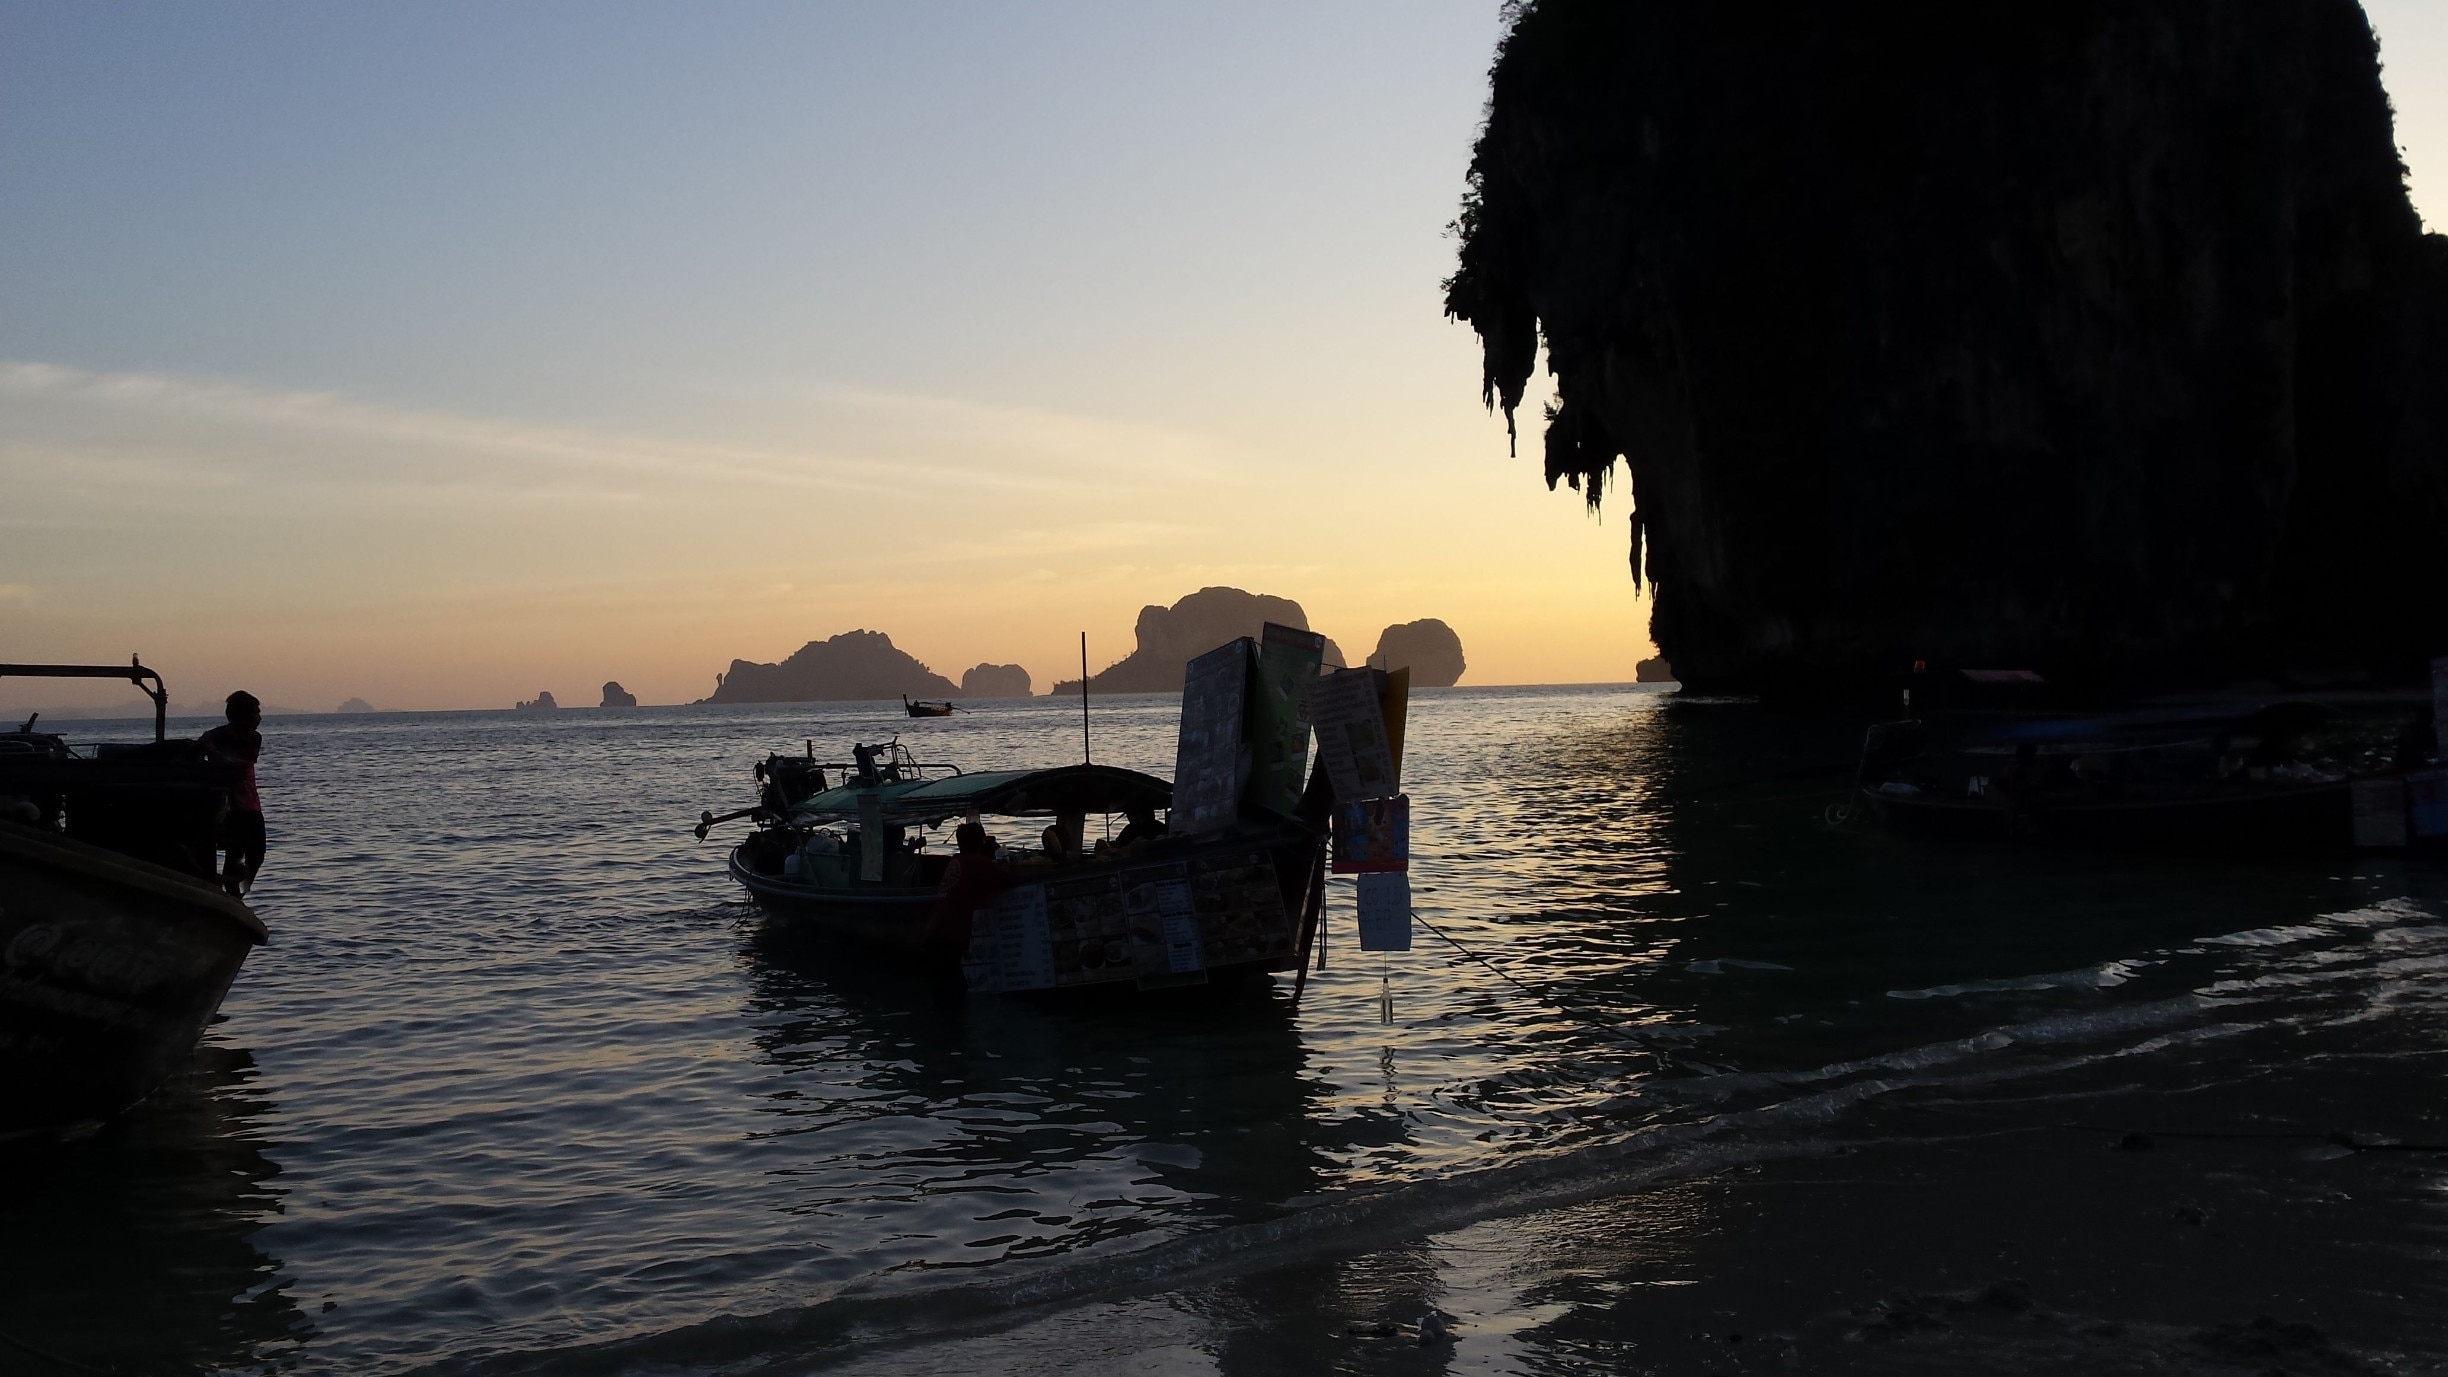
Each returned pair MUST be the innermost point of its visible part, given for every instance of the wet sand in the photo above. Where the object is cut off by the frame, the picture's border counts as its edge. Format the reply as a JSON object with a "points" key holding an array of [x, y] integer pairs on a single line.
{"points": [[2156, 1212]]}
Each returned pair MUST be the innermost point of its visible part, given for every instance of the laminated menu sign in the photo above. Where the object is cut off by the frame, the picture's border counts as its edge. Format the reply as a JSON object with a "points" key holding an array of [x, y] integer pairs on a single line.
{"points": [[1346, 709], [1163, 922], [1011, 944], [1092, 937], [1385, 911], [1288, 661], [1240, 909], [1210, 763], [1372, 835]]}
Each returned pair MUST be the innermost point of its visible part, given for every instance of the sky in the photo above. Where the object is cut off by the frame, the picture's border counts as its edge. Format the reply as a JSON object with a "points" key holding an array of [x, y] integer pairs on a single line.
{"points": [[439, 354]]}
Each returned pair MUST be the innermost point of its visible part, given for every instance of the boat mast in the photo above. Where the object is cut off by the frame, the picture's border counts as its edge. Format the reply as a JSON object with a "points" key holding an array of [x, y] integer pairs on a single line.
{"points": [[1086, 758]]}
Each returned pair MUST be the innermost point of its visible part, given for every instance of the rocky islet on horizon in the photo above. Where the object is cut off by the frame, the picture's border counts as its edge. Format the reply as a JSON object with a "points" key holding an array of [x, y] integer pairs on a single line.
{"points": [[1169, 637], [865, 665], [995, 681], [1427, 647], [853, 666]]}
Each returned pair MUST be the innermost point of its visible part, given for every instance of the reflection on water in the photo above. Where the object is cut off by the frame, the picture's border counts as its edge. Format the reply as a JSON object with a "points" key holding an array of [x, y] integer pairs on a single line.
{"points": [[1062, 1124], [531, 1076], [135, 1250]]}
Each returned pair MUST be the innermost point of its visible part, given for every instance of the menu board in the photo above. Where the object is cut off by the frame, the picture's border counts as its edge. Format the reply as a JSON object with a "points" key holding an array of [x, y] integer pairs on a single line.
{"points": [[1372, 835], [1011, 946], [1385, 911], [1150, 923], [1345, 707], [1288, 661], [1210, 764], [1091, 933], [1164, 922], [1240, 909]]}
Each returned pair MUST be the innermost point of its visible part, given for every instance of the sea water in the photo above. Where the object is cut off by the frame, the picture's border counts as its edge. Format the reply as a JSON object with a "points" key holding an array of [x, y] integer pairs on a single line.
{"points": [[521, 1080]]}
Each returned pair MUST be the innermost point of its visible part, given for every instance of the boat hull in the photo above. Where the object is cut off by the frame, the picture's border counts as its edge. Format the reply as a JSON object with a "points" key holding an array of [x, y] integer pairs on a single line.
{"points": [[2311, 818], [110, 968], [887, 919], [1231, 907]]}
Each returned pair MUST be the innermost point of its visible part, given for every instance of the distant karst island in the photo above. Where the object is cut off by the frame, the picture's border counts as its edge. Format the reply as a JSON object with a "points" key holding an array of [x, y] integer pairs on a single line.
{"points": [[996, 681], [1427, 647], [1169, 637], [354, 706], [851, 666], [614, 696], [1654, 671], [542, 702], [866, 666]]}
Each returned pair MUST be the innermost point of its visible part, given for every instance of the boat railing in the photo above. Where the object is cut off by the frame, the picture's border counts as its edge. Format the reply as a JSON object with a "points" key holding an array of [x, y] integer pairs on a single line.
{"points": [[133, 672]]}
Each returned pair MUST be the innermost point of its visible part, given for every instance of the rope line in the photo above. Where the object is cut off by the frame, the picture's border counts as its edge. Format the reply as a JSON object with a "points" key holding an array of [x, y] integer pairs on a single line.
{"points": [[1541, 997]]}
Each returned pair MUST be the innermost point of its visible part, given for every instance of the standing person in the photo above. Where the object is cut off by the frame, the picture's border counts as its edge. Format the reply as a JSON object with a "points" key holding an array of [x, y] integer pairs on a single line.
{"points": [[242, 831]]}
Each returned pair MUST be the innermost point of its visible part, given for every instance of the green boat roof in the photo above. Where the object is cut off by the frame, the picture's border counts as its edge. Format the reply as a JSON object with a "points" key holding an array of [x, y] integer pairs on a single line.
{"points": [[1066, 789]]}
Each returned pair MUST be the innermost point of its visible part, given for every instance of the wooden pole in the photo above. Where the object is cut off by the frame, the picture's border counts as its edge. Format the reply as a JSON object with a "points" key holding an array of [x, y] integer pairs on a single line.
{"points": [[1086, 757]]}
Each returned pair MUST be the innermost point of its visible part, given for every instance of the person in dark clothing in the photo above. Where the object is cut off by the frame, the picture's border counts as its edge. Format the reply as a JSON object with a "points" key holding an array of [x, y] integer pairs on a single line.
{"points": [[1142, 826], [242, 831], [970, 882]]}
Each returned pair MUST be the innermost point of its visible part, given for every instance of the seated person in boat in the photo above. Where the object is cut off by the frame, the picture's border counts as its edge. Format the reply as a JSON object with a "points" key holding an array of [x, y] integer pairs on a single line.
{"points": [[970, 882], [1142, 826], [237, 742]]}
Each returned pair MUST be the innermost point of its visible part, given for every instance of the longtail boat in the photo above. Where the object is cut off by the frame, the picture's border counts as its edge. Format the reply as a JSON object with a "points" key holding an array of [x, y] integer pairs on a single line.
{"points": [[2286, 775], [850, 853], [1224, 887], [116, 944]]}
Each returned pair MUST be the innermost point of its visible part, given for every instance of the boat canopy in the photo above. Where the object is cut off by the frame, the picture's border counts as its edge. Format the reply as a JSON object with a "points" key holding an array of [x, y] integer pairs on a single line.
{"points": [[1068, 789]]}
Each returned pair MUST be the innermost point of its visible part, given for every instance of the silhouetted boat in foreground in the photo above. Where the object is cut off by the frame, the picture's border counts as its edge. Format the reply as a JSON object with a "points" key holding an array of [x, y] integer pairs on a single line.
{"points": [[923, 708], [116, 944], [842, 852]]}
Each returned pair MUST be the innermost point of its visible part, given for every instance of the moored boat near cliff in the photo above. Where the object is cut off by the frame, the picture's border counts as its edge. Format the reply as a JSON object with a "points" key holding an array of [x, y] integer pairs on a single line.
{"points": [[2284, 775]]}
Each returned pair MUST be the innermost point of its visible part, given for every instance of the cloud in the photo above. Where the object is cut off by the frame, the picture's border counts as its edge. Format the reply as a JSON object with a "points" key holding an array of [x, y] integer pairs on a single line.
{"points": [[72, 430], [20, 593]]}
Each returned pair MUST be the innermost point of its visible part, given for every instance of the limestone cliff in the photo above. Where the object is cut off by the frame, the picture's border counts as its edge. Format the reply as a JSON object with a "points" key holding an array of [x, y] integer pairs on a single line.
{"points": [[852, 665], [1427, 647], [2088, 335], [1168, 638], [995, 681]]}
